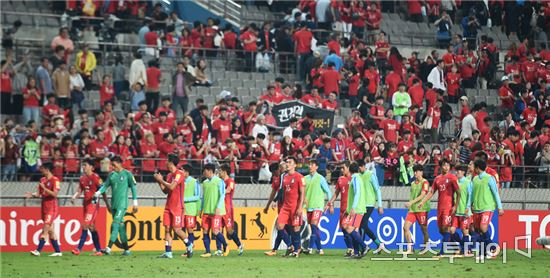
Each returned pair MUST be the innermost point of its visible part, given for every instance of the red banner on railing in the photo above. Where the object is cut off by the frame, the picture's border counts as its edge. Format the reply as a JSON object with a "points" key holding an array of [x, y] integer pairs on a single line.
{"points": [[20, 228], [518, 227]]}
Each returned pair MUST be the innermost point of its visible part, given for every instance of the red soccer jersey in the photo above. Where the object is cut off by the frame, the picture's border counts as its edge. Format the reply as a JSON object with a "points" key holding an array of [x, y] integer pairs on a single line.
{"points": [[223, 129], [303, 41], [453, 83], [446, 185], [417, 94], [431, 97], [174, 200], [291, 184], [374, 78], [49, 202], [392, 81], [529, 69], [343, 186], [330, 80], [435, 113], [89, 185], [327, 104], [229, 191], [153, 78]]}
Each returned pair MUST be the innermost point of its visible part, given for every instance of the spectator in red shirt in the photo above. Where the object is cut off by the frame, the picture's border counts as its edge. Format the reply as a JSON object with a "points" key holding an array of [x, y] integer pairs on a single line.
{"points": [[106, 91], [374, 16], [229, 37], [416, 92], [31, 102], [330, 79], [453, 84], [390, 127], [331, 103], [302, 46], [334, 44], [152, 93], [222, 126], [434, 113], [393, 79], [506, 94], [431, 95], [313, 98], [50, 110], [377, 111], [249, 41]]}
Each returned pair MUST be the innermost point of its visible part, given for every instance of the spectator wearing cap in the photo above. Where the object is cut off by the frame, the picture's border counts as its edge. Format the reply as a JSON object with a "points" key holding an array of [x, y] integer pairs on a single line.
{"points": [[464, 107], [506, 94], [437, 77], [85, 63], [152, 91]]}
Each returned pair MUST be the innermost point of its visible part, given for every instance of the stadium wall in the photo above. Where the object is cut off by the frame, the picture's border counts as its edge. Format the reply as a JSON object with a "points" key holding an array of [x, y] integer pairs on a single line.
{"points": [[20, 228]]}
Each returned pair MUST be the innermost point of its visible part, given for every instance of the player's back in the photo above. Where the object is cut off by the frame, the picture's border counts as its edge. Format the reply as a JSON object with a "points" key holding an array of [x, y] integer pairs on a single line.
{"points": [[343, 185], [89, 185], [174, 199], [446, 185], [291, 185]]}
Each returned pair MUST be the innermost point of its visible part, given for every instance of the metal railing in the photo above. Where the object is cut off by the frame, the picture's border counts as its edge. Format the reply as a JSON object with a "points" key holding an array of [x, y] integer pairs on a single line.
{"points": [[228, 9], [522, 176]]}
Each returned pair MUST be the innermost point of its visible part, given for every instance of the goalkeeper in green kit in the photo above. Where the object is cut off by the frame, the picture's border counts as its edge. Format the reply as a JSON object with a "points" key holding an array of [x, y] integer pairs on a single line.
{"points": [[119, 180]]}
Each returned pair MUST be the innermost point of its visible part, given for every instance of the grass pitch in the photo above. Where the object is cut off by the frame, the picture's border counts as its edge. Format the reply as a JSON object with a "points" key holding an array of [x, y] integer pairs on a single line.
{"points": [[256, 264]]}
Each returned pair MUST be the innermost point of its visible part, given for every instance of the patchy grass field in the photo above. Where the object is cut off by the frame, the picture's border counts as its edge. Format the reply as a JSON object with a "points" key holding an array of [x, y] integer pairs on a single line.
{"points": [[256, 264]]}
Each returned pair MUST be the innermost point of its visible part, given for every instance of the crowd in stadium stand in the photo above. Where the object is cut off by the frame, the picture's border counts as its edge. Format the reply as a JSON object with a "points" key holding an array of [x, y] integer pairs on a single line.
{"points": [[401, 113]]}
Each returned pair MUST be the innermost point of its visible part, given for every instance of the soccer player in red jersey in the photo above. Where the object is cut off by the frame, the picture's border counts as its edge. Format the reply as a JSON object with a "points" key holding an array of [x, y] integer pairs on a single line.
{"points": [[293, 185], [47, 191], [174, 187], [342, 187], [446, 184], [90, 182], [227, 219], [278, 170]]}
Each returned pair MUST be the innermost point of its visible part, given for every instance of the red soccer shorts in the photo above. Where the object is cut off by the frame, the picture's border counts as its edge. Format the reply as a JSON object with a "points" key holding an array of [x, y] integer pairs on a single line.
{"points": [[482, 218], [314, 216], [287, 216], [421, 217], [49, 215], [211, 221], [227, 220], [444, 218], [190, 221], [354, 221], [173, 218], [461, 222], [90, 212]]}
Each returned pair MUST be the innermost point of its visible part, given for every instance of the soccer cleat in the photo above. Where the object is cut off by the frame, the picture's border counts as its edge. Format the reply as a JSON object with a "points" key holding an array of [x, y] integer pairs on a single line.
{"points": [[364, 252], [270, 253], [106, 251], [226, 251], [308, 251], [379, 249], [35, 253], [241, 249], [490, 257], [349, 253], [218, 253], [165, 256], [189, 252], [56, 254], [76, 251], [288, 252], [357, 257], [126, 253], [294, 255], [96, 254], [206, 255], [320, 252]]}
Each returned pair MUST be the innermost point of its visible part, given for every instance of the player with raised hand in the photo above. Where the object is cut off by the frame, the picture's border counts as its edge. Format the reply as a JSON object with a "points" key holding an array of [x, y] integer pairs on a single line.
{"points": [[419, 189], [227, 219], [174, 187], [373, 197], [316, 188], [342, 187], [446, 184], [89, 183], [213, 202], [192, 203], [355, 210], [48, 187], [120, 180], [485, 199], [293, 184], [462, 217]]}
